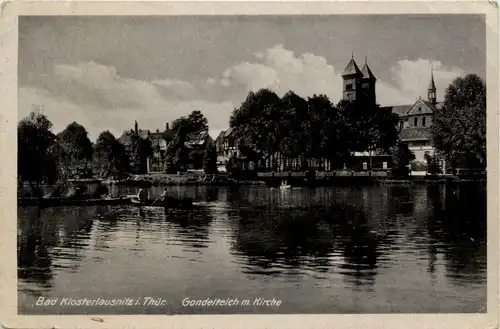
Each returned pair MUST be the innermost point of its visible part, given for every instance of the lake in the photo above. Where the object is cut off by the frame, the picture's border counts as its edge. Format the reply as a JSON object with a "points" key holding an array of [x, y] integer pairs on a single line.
{"points": [[375, 249]]}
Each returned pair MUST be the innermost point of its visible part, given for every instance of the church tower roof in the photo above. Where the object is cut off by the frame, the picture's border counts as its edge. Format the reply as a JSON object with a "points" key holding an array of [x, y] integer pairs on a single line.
{"points": [[432, 85], [351, 68], [367, 73]]}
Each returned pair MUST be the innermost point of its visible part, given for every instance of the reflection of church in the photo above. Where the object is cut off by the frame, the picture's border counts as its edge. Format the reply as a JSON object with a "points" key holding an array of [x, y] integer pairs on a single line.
{"points": [[415, 119]]}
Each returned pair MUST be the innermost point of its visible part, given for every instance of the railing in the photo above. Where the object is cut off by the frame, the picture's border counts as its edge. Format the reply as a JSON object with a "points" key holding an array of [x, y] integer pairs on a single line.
{"points": [[321, 174]]}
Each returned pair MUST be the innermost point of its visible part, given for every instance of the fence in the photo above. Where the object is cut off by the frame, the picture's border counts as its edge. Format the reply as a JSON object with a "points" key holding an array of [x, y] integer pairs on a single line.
{"points": [[322, 174]]}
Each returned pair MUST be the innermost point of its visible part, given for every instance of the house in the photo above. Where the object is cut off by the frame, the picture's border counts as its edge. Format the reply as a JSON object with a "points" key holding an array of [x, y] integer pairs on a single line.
{"points": [[226, 145], [159, 142], [126, 137], [196, 144]]}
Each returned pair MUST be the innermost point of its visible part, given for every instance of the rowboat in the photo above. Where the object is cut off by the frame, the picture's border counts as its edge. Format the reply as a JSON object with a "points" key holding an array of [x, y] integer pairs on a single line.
{"points": [[168, 202]]}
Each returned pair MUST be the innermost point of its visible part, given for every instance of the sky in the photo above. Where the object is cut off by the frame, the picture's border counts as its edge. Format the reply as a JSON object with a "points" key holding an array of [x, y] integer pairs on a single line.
{"points": [[106, 72]]}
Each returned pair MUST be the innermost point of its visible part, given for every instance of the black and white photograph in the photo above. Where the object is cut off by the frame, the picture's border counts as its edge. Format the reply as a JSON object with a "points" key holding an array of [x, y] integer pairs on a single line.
{"points": [[252, 164]]}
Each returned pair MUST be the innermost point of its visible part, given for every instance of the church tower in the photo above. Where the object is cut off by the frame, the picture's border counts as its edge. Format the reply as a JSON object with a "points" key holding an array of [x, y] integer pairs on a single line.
{"points": [[368, 84], [352, 77], [431, 91]]}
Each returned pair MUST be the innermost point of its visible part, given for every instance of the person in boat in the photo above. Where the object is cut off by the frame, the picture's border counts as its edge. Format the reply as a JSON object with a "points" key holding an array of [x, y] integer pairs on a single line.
{"points": [[161, 198], [142, 196]]}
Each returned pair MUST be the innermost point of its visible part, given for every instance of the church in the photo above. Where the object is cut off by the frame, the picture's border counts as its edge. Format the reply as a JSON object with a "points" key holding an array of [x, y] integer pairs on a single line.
{"points": [[415, 119]]}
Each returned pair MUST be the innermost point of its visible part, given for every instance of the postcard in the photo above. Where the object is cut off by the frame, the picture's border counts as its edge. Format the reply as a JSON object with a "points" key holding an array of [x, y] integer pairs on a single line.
{"points": [[249, 164]]}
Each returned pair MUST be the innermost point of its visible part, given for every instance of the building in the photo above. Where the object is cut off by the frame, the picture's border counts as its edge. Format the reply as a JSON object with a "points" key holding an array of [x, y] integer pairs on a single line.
{"points": [[159, 141], [226, 146], [415, 119], [415, 127], [196, 145]]}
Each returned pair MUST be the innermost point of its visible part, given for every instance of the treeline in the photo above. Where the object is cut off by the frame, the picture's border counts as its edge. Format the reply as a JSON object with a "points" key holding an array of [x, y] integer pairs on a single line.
{"points": [[296, 130], [45, 157]]}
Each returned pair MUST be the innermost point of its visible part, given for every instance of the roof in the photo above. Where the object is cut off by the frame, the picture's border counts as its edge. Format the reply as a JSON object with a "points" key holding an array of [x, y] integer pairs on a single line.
{"points": [[126, 137], [419, 107], [197, 138], [351, 68], [415, 134], [432, 85], [224, 134], [367, 73], [400, 110]]}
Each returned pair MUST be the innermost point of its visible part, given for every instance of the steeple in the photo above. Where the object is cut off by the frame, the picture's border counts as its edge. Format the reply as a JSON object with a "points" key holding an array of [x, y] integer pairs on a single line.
{"points": [[352, 68], [367, 73], [431, 91], [136, 128], [352, 77]]}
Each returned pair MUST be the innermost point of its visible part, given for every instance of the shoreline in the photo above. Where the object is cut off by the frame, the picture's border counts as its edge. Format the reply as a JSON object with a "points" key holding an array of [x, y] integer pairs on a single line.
{"points": [[224, 180]]}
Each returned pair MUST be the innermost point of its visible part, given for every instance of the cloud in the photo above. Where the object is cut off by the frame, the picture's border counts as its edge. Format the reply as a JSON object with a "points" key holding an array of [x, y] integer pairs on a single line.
{"points": [[413, 77], [281, 70], [97, 97]]}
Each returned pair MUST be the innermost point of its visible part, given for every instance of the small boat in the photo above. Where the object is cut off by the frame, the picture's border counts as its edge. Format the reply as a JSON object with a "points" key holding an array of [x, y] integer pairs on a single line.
{"points": [[284, 186]]}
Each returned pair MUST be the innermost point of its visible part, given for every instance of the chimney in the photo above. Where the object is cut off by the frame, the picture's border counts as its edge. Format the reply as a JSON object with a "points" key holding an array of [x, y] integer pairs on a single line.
{"points": [[136, 128], [166, 127]]}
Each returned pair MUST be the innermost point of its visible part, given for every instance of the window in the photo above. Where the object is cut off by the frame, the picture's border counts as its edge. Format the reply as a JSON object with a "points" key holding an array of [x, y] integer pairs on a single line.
{"points": [[384, 165], [423, 122], [348, 86], [415, 122]]}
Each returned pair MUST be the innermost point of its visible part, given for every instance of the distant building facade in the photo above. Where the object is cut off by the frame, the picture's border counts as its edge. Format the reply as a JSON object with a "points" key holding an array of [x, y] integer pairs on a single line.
{"points": [[159, 141]]}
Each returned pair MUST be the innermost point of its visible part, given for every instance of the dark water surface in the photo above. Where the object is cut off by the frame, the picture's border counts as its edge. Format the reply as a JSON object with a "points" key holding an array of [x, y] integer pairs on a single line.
{"points": [[323, 250]]}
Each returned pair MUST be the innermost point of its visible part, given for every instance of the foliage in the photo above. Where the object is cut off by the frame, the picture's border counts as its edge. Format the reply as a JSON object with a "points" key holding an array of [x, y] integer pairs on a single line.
{"points": [[74, 151], [210, 159], [177, 155], [300, 129], [193, 123], [459, 126], [141, 149], [36, 163], [401, 158], [232, 164], [111, 157], [433, 167]]}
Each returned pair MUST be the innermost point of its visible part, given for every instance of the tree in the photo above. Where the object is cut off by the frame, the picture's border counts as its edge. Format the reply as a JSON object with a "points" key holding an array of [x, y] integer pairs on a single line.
{"points": [[459, 126], [433, 167], [192, 124], [75, 150], [141, 149], [35, 162], [210, 159], [254, 124], [110, 157], [401, 158], [176, 155]]}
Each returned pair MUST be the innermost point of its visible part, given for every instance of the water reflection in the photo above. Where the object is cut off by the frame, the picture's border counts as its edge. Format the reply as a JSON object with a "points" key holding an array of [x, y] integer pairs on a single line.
{"points": [[340, 240]]}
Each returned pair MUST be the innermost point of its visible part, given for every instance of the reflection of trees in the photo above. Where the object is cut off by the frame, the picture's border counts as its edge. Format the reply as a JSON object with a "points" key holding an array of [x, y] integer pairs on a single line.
{"points": [[33, 259], [192, 226], [48, 234], [457, 223], [305, 237]]}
